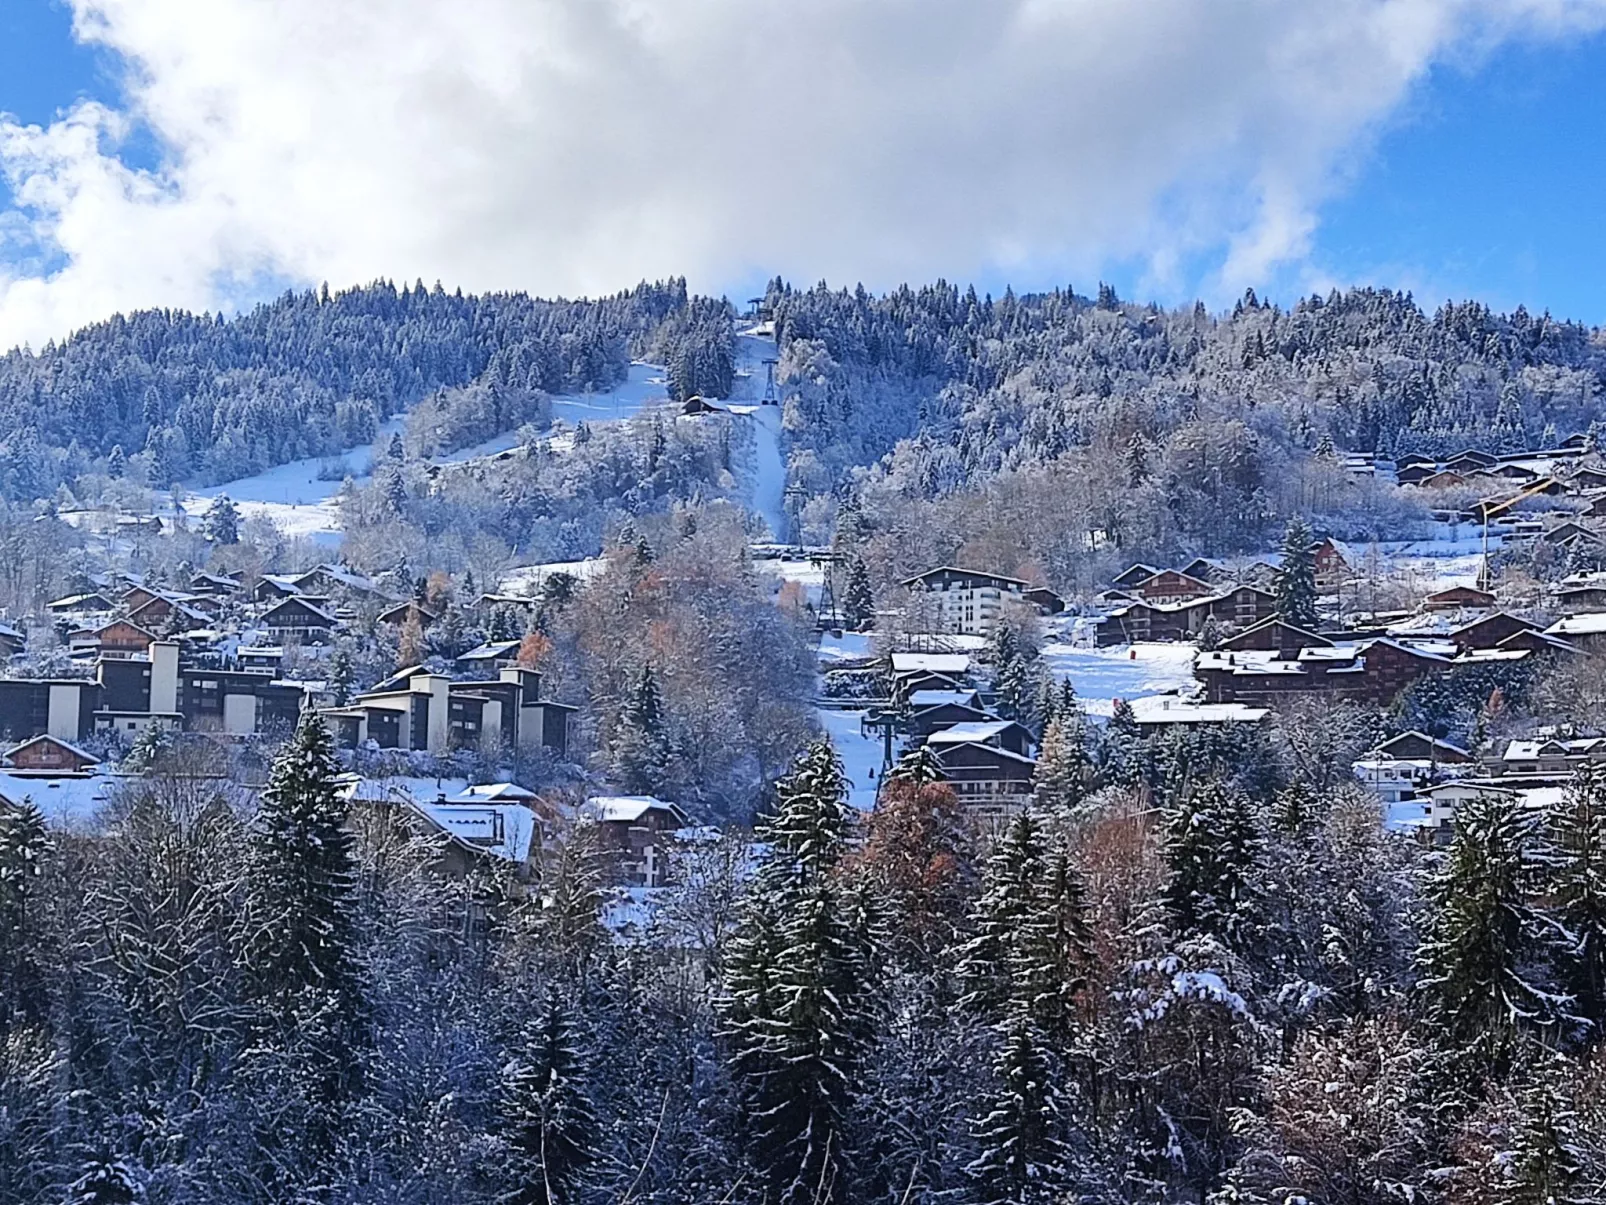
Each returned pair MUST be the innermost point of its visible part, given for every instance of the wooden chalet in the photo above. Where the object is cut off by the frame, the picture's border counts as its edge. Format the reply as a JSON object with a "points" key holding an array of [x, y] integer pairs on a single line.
{"points": [[1488, 632], [297, 619], [50, 755], [398, 615], [1456, 597], [1171, 586], [1275, 636]]}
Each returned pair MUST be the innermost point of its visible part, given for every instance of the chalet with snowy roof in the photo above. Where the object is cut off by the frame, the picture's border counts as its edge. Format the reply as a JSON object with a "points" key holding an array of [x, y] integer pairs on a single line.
{"points": [[12, 641], [1582, 592], [167, 613], [1275, 636], [1551, 757], [965, 601], [1457, 597], [1240, 606], [1045, 600], [999, 734], [46, 754], [1586, 631], [1332, 563], [1171, 586], [216, 584], [988, 779], [122, 638], [1132, 575], [1571, 533], [473, 826], [1419, 746], [488, 657], [297, 619], [401, 614], [1416, 473], [330, 580], [1589, 477], [1488, 632], [1471, 458], [271, 587], [1444, 479], [417, 710], [638, 832], [931, 711], [93, 603], [1374, 671]]}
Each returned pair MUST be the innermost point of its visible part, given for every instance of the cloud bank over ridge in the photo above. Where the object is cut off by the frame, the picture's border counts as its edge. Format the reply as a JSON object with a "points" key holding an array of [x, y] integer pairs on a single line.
{"points": [[575, 146]]}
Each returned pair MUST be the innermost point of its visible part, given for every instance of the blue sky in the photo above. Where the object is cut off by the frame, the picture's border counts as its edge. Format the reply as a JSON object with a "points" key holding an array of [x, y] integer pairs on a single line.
{"points": [[1486, 181]]}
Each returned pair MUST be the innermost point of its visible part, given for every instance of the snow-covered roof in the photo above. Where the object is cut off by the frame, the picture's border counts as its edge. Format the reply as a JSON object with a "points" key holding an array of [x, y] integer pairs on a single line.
{"points": [[974, 732], [1590, 623], [503, 830], [931, 663], [1168, 709], [55, 740], [628, 808], [490, 650], [495, 792], [941, 698], [485, 816], [62, 801]]}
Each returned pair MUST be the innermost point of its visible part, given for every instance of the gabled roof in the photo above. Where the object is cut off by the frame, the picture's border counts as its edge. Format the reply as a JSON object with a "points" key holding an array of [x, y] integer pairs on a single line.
{"points": [[1308, 638], [950, 664], [1175, 572], [629, 808], [490, 650], [997, 577], [88, 758], [974, 732], [303, 603], [1133, 574], [1433, 743]]}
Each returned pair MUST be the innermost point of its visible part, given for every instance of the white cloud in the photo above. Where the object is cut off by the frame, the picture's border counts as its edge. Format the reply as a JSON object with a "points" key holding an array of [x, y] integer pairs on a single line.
{"points": [[578, 145]]}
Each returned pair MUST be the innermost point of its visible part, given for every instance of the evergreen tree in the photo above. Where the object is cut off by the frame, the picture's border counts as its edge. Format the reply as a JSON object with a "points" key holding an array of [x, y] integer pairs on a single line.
{"points": [[1122, 747], [1064, 769], [548, 1116], [858, 604], [342, 676], [797, 992], [221, 523], [1295, 579], [24, 845], [1022, 971], [297, 925], [116, 463], [106, 1181], [1211, 848], [1480, 956], [396, 450], [1576, 869], [642, 751], [1137, 461]]}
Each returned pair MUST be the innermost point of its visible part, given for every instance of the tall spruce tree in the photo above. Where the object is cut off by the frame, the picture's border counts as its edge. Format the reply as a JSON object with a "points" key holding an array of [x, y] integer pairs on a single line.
{"points": [[1480, 960], [24, 845], [297, 926], [1064, 768], [858, 602], [1295, 580], [1211, 848], [1576, 870], [1022, 971], [795, 1011], [641, 749], [547, 1114]]}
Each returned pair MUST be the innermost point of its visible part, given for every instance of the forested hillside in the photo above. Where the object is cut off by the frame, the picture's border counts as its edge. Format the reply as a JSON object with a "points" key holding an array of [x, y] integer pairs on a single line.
{"points": [[312, 373]]}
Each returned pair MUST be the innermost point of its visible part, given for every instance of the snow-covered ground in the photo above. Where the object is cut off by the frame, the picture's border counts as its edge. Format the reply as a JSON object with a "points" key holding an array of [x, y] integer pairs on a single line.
{"points": [[861, 755], [527, 579], [849, 646], [1123, 671], [647, 385], [768, 484]]}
